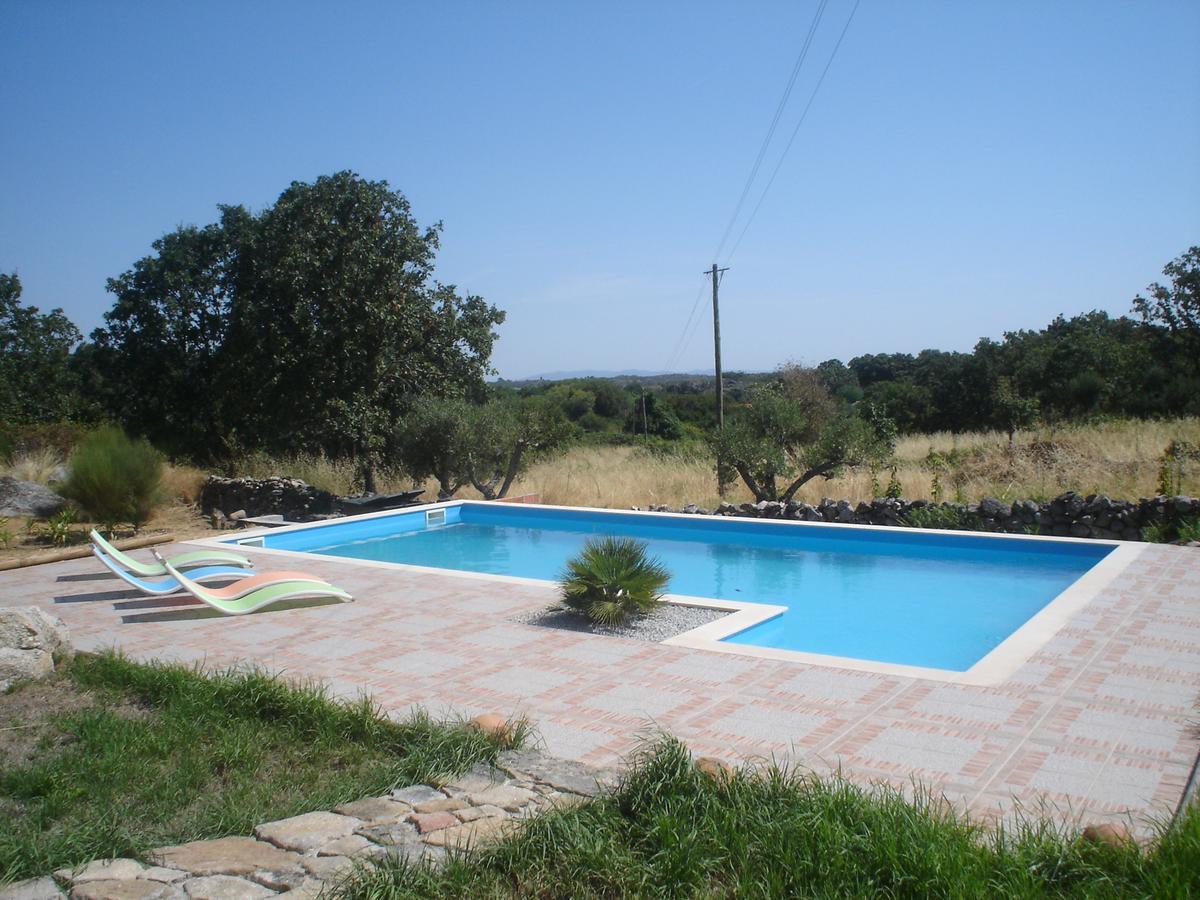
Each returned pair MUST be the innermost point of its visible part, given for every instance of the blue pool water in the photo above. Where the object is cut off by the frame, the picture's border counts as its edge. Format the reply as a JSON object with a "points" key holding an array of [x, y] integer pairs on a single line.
{"points": [[911, 597]]}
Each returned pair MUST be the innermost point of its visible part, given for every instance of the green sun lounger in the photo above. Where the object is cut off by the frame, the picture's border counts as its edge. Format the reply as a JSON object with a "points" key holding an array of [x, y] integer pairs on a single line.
{"points": [[180, 561], [225, 600]]}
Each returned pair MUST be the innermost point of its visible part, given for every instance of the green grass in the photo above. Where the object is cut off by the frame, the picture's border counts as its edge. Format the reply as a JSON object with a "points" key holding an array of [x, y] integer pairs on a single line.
{"points": [[166, 754], [670, 832]]}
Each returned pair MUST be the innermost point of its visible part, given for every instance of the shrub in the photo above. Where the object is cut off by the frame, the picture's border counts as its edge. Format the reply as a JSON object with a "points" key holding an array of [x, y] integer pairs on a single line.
{"points": [[612, 579], [951, 518], [115, 478]]}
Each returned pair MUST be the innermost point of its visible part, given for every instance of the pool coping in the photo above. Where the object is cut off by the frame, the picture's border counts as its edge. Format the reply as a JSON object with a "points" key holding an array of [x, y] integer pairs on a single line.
{"points": [[994, 668]]}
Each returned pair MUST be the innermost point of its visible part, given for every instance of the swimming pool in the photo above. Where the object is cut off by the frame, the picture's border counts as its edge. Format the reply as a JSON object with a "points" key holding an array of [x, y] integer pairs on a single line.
{"points": [[903, 597]]}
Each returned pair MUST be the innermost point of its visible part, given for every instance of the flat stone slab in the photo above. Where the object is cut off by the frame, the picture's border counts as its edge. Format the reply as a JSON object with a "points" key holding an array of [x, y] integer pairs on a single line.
{"points": [[434, 821], [127, 889], [350, 845], [505, 796], [477, 778], [396, 835], [160, 873], [374, 810], [224, 887], [560, 774], [103, 870], [471, 835], [43, 888], [330, 868], [311, 889], [225, 856], [445, 804], [307, 832], [418, 793]]}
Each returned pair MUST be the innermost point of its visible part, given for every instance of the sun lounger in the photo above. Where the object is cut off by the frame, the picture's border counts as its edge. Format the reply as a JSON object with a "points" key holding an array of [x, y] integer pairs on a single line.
{"points": [[233, 603], [188, 560], [246, 579]]}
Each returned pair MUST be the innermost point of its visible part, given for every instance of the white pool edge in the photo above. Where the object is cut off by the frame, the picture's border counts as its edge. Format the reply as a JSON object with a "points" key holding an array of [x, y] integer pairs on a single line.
{"points": [[993, 669]]}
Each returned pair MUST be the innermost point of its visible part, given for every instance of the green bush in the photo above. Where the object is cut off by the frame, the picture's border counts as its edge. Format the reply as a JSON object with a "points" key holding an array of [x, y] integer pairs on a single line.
{"points": [[115, 478], [613, 579], [951, 518]]}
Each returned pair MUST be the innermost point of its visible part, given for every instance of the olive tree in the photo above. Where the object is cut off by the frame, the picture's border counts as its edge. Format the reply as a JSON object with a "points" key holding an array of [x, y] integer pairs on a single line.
{"points": [[790, 431], [485, 445]]}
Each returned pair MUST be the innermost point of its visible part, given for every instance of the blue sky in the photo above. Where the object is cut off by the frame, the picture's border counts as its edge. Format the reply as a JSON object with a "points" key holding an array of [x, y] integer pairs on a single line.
{"points": [[965, 169]]}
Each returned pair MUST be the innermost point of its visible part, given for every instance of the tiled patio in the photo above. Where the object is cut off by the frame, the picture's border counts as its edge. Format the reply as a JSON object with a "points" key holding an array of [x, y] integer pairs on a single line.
{"points": [[1100, 724]]}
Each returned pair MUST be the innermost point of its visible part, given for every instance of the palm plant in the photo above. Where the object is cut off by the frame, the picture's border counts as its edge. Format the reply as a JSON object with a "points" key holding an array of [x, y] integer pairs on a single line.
{"points": [[612, 579]]}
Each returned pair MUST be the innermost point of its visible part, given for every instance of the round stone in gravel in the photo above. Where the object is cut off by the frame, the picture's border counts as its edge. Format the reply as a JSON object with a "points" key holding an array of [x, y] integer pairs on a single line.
{"points": [[665, 622]]}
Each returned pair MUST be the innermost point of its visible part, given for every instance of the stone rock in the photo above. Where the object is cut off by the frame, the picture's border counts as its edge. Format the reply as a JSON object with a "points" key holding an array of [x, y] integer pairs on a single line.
{"points": [[495, 727], [159, 873], [289, 497], [349, 845], [717, 769], [309, 889], [434, 821], [563, 801], [418, 793], [29, 641], [1107, 833], [43, 888], [560, 774], [446, 804], [506, 796], [226, 856], [307, 832], [479, 777], [472, 834], [991, 508], [28, 499], [127, 889], [277, 879], [375, 810], [396, 835], [224, 887], [329, 868], [103, 870]]}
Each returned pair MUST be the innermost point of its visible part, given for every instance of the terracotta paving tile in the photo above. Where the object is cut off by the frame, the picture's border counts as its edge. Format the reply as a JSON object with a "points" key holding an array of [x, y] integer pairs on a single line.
{"points": [[1098, 724]]}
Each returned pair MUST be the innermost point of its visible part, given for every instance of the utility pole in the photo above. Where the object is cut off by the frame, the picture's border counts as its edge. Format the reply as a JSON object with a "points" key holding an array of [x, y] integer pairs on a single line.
{"points": [[715, 274]]}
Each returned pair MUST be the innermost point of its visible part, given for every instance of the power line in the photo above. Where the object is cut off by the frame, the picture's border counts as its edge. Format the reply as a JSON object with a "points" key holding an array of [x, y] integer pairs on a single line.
{"points": [[779, 107], [684, 336], [795, 131], [691, 324]]}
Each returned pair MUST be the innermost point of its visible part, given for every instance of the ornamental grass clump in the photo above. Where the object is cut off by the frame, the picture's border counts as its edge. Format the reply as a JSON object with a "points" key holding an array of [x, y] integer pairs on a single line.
{"points": [[115, 478], [613, 579]]}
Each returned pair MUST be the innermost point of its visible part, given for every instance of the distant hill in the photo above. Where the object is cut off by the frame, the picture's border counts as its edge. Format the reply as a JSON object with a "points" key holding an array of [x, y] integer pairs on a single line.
{"points": [[600, 373]]}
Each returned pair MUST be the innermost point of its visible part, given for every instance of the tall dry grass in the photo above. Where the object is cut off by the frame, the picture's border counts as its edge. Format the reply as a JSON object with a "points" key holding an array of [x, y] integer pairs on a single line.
{"points": [[1120, 459], [339, 476], [40, 465]]}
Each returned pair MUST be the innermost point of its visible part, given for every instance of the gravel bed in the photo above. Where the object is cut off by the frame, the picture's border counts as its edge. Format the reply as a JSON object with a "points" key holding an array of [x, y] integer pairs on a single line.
{"points": [[669, 620]]}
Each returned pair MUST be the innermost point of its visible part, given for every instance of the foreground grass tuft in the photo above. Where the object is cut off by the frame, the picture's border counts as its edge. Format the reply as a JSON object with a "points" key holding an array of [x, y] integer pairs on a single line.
{"points": [[671, 832], [164, 754]]}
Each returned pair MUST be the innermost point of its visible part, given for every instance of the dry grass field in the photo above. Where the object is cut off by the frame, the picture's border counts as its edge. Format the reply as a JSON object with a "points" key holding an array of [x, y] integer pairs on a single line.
{"points": [[1120, 459]]}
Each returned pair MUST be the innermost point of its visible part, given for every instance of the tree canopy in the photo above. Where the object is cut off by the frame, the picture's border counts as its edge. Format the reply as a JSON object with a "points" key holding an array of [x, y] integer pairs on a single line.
{"points": [[312, 325], [36, 382]]}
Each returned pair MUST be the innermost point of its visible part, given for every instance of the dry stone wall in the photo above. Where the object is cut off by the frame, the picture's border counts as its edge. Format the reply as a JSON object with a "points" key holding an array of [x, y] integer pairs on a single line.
{"points": [[1067, 515]]}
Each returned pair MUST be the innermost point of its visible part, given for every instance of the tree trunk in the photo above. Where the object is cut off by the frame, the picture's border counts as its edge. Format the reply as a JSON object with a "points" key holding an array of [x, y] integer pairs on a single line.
{"points": [[807, 477]]}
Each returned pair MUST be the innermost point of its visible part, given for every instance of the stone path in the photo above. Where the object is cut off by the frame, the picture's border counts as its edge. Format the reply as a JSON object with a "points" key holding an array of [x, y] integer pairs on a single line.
{"points": [[300, 857]]}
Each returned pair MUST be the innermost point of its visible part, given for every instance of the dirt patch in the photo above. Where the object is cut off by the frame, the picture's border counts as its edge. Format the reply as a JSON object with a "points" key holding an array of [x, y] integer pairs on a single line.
{"points": [[29, 715]]}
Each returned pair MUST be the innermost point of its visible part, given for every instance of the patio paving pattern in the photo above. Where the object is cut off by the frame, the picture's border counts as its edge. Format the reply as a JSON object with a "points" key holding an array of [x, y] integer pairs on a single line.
{"points": [[1100, 724]]}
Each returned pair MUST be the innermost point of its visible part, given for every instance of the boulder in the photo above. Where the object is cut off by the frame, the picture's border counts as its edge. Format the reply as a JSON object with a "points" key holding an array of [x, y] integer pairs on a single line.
{"points": [[29, 641], [28, 499]]}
